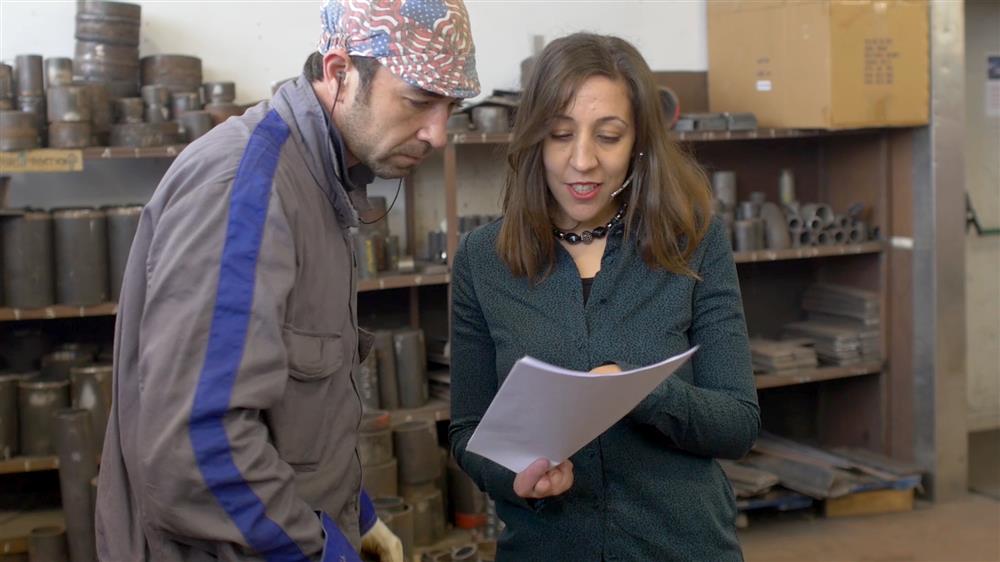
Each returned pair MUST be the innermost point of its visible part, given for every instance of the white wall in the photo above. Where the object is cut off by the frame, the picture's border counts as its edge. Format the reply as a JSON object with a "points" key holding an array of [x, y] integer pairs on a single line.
{"points": [[982, 255], [254, 43]]}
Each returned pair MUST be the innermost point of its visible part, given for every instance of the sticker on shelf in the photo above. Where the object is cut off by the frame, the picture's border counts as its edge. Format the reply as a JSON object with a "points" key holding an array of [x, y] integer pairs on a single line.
{"points": [[41, 160], [763, 85]]}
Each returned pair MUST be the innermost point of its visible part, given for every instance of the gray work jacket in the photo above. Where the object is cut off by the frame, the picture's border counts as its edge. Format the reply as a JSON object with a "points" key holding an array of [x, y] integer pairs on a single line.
{"points": [[233, 429]]}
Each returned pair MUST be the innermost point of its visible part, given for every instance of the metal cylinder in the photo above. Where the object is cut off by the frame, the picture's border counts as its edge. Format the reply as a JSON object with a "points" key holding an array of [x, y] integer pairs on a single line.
{"points": [[115, 23], [137, 135], [384, 348], [68, 103], [467, 501], [101, 111], [724, 188], [838, 236], [47, 544], [103, 62], [194, 124], [491, 118], [70, 134], [367, 382], [786, 186], [392, 251], [411, 367], [817, 211], [81, 253], [77, 467], [375, 447], [364, 255], [156, 94], [28, 279], [37, 401], [182, 102], [819, 238], [219, 92], [57, 365], [398, 516], [179, 73], [9, 426], [748, 210], [58, 72], [129, 110], [90, 390], [7, 91], [776, 235], [858, 233], [415, 445], [381, 479], [35, 107], [123, 221], [18, 131], [29, 76], [800, 237], [794, 222], [222, 111], [745, 235], [428, 517]]}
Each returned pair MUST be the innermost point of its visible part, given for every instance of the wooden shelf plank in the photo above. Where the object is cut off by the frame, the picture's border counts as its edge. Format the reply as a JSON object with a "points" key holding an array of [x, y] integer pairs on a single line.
{"points": [[402, 281], [806, 376], [124, 152], [808, 252], [58, 311], [28, 464], [434, 411]]}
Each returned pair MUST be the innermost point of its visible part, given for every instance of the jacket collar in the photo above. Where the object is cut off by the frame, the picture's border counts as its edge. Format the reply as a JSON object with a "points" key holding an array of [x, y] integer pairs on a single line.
{"points": [[325, 154]]}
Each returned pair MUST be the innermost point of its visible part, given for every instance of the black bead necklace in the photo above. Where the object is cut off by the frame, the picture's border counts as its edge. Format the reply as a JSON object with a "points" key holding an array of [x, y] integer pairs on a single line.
{"points": [[588, 236]]}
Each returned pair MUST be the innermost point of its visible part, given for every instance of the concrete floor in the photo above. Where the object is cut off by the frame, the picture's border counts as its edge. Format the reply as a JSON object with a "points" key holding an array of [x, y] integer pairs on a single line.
{"points": [[965, 530]]}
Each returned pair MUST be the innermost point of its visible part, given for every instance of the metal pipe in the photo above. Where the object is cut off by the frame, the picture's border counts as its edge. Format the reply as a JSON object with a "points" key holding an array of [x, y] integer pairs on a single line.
{"points": [[57, 364], [29, 76], [115, 23], [384, 348], [37, 401], [58, 72], [428, 517], [81, 256], [129, 110], [194, 124], [47, 544], [786, 186], [775, 226], [122, 224], [9, 426], [90, 390], [745, 235], [416, 449], [184, 102], [375, 447], [367, 382], [724, 188], [219, 92], [68, 104], [398, 516], [819, 211], [70, 134], [411, 367], [381, 479], [27, 268], [77, 467]]}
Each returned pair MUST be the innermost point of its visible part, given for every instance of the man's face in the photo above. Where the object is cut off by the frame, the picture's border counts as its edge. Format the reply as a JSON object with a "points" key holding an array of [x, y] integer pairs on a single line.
{"points": [[396, 127]]}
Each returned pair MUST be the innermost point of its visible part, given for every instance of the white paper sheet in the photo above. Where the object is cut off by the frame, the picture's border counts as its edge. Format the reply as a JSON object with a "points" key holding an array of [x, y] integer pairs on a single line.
{"points": [[546, 412]]}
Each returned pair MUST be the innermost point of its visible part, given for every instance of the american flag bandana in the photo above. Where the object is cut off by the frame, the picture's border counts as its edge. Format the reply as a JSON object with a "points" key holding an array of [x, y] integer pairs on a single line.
{"points": [[427, 43]]}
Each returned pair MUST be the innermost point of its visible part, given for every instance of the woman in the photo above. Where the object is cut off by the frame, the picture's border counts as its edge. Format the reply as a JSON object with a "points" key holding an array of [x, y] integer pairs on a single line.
{"points": [[606, 258]]}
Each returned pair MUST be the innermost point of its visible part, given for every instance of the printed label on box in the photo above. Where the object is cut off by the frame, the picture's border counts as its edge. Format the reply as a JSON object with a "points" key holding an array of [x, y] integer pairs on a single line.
{"points": [[879, 59], [763, 85]]}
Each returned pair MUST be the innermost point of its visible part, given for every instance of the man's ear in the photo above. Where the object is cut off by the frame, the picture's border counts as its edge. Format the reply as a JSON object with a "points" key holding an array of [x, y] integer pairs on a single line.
{"points": [[336, 64]]}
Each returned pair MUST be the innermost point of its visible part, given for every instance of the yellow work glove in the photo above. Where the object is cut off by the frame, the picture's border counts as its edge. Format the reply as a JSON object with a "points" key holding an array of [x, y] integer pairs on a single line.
{"points": [[379, 541]]}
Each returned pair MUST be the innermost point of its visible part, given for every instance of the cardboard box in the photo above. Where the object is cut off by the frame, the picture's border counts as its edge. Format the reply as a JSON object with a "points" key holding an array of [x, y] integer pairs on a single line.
{"points": [[834, 64]]}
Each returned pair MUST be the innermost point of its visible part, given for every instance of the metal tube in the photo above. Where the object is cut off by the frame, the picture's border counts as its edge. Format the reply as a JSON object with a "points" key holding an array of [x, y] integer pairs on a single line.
{"points": [[367, 382], [9, 427], [122, 224], [27, 267], [115, 23], [77, 467], [68, 104], [47, 544], [384, 348], [58, 72], [28, 76], [183, 102], [37, 401], [90, 390], [129, 110], [411, 367], [724, 188], [416, 449], [775, 226], [745, 235], [194, 124], [375, 447], [81, 256], [398, 516], [428, 517], [381, 479], [56, 366], [70, 134]]}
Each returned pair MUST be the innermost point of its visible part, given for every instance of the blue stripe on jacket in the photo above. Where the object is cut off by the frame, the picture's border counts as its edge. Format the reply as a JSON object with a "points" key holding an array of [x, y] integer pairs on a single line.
{"points": [[248, 205]]}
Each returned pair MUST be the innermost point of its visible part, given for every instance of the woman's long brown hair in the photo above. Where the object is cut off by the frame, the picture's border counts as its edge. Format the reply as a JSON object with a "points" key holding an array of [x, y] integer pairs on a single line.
{"points": [[669, 198]]}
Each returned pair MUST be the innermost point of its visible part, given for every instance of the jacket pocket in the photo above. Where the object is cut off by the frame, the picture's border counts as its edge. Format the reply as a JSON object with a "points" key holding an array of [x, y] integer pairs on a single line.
{"points": [[297, 422]]}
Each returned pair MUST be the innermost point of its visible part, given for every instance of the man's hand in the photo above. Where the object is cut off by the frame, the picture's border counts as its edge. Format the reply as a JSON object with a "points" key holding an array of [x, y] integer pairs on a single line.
{"points": [[606, 370], [379, 541], [539, 481]]}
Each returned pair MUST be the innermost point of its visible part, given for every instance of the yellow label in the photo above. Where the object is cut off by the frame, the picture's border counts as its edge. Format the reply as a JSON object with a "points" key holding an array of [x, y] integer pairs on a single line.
{"points": [[41, 160]]}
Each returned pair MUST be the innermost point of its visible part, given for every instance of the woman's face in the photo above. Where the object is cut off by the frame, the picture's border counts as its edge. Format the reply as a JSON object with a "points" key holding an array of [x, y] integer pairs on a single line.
{"points": [[587, 153]]}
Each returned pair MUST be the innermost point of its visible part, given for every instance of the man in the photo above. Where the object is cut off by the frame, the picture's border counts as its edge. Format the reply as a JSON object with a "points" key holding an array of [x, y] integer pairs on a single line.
{"points": [[233, 430]]}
